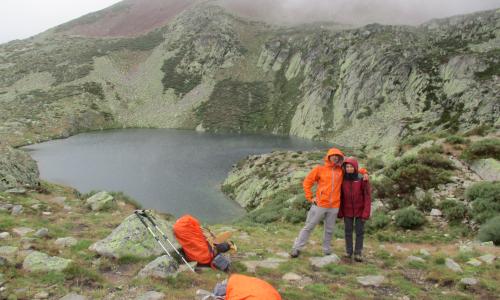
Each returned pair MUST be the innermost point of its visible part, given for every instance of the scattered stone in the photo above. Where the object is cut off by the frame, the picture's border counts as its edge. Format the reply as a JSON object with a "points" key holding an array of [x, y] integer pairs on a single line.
{"points": [[9, 253], [292, 277], [59, 200], [490, 243], [42, 233], [465, 248], [204, 295], [270, 263], [41, 262], [424, 252], [283, 254], [436, 213], [474, 262], [322, 261], [469, 281], [401, 249], [100, 201], [17, 210], [488, 258], [46, 213], [151, 295], [19, 191], [415, 258], [419, 194], [4, 235], [73, 296], [65, 242], [41, 295], [22, 231], [162, 267], [131, 238], [36, 206], [372, 280], [184, 268], [452, 265]]}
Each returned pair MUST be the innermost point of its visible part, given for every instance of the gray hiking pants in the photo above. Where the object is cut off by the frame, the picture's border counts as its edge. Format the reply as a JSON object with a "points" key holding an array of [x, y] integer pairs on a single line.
{"points": [[314, 216], [359, 226]]}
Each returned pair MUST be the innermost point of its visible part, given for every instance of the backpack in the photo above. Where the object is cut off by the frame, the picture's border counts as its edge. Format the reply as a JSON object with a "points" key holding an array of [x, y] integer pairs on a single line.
{"points": [[189, 234]]}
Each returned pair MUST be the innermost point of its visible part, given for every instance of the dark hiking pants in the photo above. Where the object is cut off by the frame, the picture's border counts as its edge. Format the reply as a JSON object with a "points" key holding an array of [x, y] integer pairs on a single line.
{"points": [[358, 225]]}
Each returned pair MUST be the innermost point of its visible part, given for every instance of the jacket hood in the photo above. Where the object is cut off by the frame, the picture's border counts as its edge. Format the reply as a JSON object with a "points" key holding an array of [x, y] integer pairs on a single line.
{"points": [[332, 151], [353, 162]]}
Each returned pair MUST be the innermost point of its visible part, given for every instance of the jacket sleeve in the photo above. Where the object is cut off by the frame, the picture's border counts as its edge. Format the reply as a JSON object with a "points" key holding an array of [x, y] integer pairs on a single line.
{"points": [[308, 183], [340, 214], [367, 200]]}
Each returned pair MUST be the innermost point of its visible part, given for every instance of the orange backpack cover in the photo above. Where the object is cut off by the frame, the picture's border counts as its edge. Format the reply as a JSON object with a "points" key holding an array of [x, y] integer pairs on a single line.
{"points": [[241, 287], [188, 232]]}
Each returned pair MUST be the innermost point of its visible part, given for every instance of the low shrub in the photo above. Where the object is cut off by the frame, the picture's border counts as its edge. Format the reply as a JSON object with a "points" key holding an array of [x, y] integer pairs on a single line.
{"points": [[456, 139], [426, 204], [415, 140], [409, 218], [490, 231], [454, 211], [487, 148], [379, 220], [374, 164], [485, 198]]}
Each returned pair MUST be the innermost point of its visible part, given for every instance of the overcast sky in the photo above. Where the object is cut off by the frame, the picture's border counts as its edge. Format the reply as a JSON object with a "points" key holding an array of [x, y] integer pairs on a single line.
{"points": [[20, 19]]}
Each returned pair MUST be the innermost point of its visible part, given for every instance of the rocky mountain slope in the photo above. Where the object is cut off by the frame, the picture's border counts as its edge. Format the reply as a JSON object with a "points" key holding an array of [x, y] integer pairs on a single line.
{"points": [[210, 70]]}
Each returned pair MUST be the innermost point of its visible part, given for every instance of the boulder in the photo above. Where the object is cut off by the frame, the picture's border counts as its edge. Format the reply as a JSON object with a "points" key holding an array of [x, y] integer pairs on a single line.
{"points": [[100, 201], [4, 235], [151, 295], [41, 262], [17, 210], [322, 261], [415, 258], [65, 242], [8, 253], [469, 281], [488, 169], [162, 267], [131, 238], [452, 265], [41, 295], [474, 262], [436, 213], [372, 280], [488, 258], [42, 232], [292, 277], [22, 231], [17, 169], [73, 296]]}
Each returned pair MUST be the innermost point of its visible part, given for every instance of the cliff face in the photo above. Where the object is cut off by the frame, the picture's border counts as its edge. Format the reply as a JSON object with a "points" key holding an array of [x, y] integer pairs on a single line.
{"points": [[210, 70]]}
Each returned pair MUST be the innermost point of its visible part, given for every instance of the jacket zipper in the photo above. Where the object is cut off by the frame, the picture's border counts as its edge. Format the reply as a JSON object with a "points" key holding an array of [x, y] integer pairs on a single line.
{"points": [[352, 200], [331, 194]]}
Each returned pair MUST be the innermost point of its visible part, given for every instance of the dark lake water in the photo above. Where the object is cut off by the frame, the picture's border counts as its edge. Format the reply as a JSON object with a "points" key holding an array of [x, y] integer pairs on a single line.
{"points": [[173, 171]]}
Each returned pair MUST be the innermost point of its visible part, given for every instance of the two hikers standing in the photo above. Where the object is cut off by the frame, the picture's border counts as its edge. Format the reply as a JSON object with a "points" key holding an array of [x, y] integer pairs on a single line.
{"points": [[341, 191]]}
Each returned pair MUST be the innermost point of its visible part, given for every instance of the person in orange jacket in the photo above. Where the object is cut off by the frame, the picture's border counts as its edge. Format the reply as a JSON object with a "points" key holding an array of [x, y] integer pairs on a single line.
{"points": [[326, 202]]}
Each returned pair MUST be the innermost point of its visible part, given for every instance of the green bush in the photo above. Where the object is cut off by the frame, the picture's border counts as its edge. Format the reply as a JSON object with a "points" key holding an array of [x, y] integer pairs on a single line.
{"points": [[487, 148], [436, 160], [409, 218], [456, 139], [485, 198], [379, 220], [415, 140], [418, 175], [374, 164], [431, 149], [490, 231], [426, 204], [454, 211], [271, 211]]}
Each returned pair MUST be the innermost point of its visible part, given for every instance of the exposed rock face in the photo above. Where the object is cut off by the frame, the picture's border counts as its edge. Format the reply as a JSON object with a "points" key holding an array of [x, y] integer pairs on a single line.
{"points": [[488, 169], [41, 262], [17, 169], [371, 85], [132, 238]]}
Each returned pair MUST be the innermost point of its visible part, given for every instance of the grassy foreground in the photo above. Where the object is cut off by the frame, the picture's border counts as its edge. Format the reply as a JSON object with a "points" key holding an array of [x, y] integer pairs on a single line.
{"points": [[97, 277]]}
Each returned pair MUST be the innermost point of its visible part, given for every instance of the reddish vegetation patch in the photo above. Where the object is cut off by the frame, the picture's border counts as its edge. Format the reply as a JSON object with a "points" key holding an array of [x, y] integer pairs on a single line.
{"points": [[137, 17]]}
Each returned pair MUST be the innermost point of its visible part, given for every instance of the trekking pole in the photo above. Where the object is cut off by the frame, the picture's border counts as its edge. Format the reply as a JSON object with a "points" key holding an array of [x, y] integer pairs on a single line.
{"points": [[152, 233], [152, 220]]}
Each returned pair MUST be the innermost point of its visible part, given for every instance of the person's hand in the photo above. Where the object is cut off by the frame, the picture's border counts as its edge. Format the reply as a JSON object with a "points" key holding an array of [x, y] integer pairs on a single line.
{"points": [[366, 177]]}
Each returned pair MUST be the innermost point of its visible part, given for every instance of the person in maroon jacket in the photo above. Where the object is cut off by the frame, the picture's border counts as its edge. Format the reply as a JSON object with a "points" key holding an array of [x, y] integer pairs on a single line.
{"points": [[355, 206]]}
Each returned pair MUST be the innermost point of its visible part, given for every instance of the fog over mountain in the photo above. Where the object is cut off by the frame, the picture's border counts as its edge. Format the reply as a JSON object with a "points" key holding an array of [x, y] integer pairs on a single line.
{"points": [[409, 12]]}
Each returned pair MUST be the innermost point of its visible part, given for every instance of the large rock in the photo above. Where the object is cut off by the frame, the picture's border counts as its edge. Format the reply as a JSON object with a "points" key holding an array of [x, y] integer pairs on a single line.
{"points": [[41, 262], [488, 258], [73, 296], [22, 231], [100, 201], [162, 267], [372, 280], [8, 253], [65, 242], [131, 238], [452, 265], [17, 169], [151, 295], [322, 261], [488, 169]]}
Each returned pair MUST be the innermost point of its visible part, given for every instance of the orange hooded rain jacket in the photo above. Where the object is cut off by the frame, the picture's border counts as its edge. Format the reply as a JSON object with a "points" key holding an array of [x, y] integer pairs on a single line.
{"points": [[241, 287], [329, 179]]}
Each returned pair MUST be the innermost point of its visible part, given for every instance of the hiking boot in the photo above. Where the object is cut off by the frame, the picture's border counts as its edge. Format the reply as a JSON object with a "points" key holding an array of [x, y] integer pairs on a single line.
{"points": [[326, 253], [294, 253], [348, 257], [358, 257]]}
